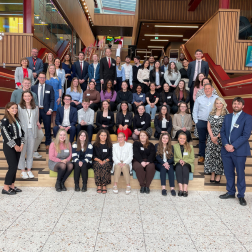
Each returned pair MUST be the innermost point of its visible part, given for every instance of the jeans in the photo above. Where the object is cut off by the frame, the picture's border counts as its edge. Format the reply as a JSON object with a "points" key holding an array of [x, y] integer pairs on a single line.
{"points": [[163, 171], [151, 111]]}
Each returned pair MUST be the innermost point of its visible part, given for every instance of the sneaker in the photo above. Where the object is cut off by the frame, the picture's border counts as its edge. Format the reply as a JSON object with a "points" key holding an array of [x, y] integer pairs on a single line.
{"points": [[24, 175], [36, 155], [128, 189], [30, 175], [115, 190]]}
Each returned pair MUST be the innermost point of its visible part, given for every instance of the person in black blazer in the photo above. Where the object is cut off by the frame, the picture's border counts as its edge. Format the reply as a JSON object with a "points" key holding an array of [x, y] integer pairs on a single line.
{"points": [[108, 68], [105, 118], [202, 67], [157, 77], [166, 63], [166, 97], [163, 122], [66, 123], [45, 94], [81, 71], [13, 142]]}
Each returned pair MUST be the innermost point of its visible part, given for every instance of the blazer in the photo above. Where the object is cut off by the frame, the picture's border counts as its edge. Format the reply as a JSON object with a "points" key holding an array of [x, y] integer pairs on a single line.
{"points": [[239, 135], [158, 125], [141, 153], [110, 119], [161, 77], [61, 74], [19, 76], [77, 70], [191, 70], [48, 96], [162, 68], [72, 116], [124, 120], [159, 158], [166, 97], [88, 154], [38, 66], [177, 123], [143, 122], [10, 132], [22, 114], [91, 72], [176, 100], [126, 155], [189, 159], [107, 73]]}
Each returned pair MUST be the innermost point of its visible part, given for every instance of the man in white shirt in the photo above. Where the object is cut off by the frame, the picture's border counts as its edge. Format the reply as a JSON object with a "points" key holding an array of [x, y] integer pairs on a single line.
{"points": [[66, 118], [128, 71]]}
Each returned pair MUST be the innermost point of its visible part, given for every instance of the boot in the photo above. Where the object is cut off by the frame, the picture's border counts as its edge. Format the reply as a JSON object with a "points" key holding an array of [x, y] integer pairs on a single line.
{"points": [[63, 188], [77, 187], [58, 186], [84, 188]]}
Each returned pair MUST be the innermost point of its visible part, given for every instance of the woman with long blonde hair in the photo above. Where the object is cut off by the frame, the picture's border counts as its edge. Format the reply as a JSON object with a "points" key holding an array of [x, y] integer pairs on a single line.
{"points": [[49, 61], [76, 93], [60, 154], [120, 71], [213, 162]]}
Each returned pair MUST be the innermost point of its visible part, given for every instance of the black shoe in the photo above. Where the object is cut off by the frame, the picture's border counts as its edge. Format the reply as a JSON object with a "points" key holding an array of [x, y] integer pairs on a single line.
{"points": [[242, 201], [15, 189], [58, 186], [142, 190], [63, 188], [84, 188], [77, 188], [212, 181], [226, 196], [164, 192], [173, 192], [185, 194], [9, 192], [147, 190], [180, 193]]}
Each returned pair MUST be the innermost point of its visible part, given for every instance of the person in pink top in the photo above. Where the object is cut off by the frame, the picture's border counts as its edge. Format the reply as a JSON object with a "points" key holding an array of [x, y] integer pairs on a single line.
{"points": [[109, 94], [60, 154], [198, 84]]}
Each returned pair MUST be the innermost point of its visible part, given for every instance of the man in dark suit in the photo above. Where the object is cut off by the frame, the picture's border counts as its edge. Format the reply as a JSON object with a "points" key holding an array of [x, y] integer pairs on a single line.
{"points": [[235, 132], [108, 68], [94, 72], [194, 68], [35, 64], [66, 118], [45, 94], [81, 71]]}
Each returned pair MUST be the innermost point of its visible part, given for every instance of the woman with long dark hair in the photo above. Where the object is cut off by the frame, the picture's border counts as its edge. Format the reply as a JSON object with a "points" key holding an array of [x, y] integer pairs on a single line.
{"points": [[109, 94], [166, 98], [152, 99], [68, 67], [198, 84], [157, 77], [143, 76], [13, 143], [124, 95], [172, 76]]}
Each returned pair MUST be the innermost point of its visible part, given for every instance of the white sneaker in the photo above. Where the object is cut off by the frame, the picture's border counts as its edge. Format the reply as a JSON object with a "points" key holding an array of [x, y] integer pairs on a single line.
{"points": [[115, 190], [36, 155], [29, 173], [128, 189], [24, 175]]}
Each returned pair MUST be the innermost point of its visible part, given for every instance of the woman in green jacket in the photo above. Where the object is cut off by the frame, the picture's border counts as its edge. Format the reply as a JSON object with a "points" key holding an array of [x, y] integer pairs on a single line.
{"points": [[184, 163]]}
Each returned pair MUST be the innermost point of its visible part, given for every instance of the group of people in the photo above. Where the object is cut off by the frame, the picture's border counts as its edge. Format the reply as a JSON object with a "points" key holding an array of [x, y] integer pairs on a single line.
{"points": [[144, 90]]}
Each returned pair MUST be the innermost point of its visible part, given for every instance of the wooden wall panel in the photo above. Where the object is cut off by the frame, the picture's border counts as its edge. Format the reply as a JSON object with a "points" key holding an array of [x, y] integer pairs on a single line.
{"points": [[135, 24], [90, 5], [245, 7], [114, 20]]}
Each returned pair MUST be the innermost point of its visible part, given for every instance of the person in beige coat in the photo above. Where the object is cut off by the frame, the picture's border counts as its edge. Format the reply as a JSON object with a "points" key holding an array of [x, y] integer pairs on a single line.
{"points": [[182, 122]]}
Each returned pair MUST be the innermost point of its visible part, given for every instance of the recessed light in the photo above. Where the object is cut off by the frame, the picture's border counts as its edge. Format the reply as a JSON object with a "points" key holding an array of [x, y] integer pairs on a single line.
{"points": [[162, 35], [185, 39], [161, 40], [155, 46], [147, 25], [178, 26], [143, 39], [144, 51]]}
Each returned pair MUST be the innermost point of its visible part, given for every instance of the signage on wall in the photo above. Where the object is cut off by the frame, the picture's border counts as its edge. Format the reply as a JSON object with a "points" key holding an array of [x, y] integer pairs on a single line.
{"points": [[116, 40], [249, 57]]}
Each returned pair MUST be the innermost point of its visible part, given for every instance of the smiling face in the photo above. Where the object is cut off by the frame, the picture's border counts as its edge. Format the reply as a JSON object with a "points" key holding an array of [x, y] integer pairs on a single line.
{"points": [[81, 56], [27, 97], [166, 61], [50, 57], [166, 87], [41, 78], [105, 105], [139, 89], [140, 110], [83, 137], [165, 139], [198, 55], [67, 57], [51, 70], [219, 105], [34, 53], [109, 84], [163, 110], [124, 106], [181, 85], [13, 110], [67, 100], [26, 85], [124, 86], [91, 85], [103, 137], [208, 89], [143, 137], [121, 138], [146, 64], [172, 65], [185, 63], [62, 136], [152, 86], [157, 64], [24, 63], [237, 106], [57, 63], [182, 139], [108, 52], [201, 77], [118, 60], [75, 83], [182, 107]]}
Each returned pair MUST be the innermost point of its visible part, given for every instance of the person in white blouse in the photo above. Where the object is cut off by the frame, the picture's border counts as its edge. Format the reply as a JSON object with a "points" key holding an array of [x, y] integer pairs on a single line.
{"points": [[172, 76], [122, 157], [128, 71], [143, 76]]}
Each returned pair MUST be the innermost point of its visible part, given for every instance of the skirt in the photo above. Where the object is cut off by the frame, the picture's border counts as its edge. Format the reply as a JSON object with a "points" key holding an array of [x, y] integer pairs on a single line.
{"points": [[102, 173]]}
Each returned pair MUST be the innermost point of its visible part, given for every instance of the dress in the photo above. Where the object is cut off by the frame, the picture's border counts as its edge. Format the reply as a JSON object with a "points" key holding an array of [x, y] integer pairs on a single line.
{"points": [[213, 160], [62, 155], [56, 84]]}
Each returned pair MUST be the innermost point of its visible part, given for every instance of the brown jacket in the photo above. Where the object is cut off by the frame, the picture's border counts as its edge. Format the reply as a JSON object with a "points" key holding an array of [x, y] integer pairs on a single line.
{"points": [[177, 123]]}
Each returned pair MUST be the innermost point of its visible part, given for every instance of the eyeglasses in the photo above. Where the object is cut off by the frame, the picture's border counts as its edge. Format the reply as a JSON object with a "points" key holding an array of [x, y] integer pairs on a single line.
{"points": [[41, 77]]}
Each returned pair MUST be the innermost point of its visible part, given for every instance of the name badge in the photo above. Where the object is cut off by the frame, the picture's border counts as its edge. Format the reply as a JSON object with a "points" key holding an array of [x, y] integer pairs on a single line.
{"points": [[105, 150], [185, 153], [166, 152], [113, 64], [126, 120], [88, 94], [209, 104], [162, 72], [54, 78], [108, 117], [236, 125], [141, 95], [141, 148], [216, 116], [143, 122], [66, 150], [168, 97], [47, 92]]}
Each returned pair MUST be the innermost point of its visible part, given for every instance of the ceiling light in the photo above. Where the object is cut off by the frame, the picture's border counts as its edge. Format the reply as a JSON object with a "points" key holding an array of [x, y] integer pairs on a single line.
{"points": [[178, 26], [155, 46], [162, 35], [185, 39], [149, 56], [85, 7], [161, 40], [144, 51]]}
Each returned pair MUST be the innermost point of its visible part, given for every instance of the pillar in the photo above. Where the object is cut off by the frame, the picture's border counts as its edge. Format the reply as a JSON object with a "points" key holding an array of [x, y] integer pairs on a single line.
{"points": [[28, 16], [224, 4]]}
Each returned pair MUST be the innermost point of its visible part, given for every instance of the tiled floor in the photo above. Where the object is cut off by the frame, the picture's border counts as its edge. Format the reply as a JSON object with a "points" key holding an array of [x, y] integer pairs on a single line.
{"points": [[40, 219]]}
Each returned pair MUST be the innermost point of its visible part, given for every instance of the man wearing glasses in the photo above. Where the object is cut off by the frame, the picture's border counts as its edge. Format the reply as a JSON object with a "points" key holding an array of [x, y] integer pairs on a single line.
{"points": [[45, 95]]}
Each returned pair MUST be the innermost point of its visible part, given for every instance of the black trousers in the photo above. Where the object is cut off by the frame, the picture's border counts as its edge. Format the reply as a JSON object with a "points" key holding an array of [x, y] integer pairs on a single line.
{"points": [[94, 106], [12, 158], [83, 170], [79, 106], [191, 97], [182, 173]]}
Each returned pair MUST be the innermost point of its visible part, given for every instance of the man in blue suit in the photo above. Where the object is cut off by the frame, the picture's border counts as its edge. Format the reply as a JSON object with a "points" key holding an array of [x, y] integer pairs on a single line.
{"points": [[94, 72], [235, 132], [194, 68], [35, 64], [66, 118], [81, 71], [45, 95]]}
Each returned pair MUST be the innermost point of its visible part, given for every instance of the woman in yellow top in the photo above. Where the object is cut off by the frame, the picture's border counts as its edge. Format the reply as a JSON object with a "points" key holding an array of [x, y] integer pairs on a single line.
{"points": [[184, 163]]}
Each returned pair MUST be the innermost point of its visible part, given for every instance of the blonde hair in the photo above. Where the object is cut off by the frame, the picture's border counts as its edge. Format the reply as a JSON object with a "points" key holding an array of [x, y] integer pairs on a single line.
{"points": [[57, 141], [224, 109], [119, 67], [186, 145], [48, 74], [78, 87], [47, 57]]}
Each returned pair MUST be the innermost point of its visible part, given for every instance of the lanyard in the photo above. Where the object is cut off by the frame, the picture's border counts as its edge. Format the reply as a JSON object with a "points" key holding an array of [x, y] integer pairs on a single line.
{"points": [[29, 116], [34, 62]]}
